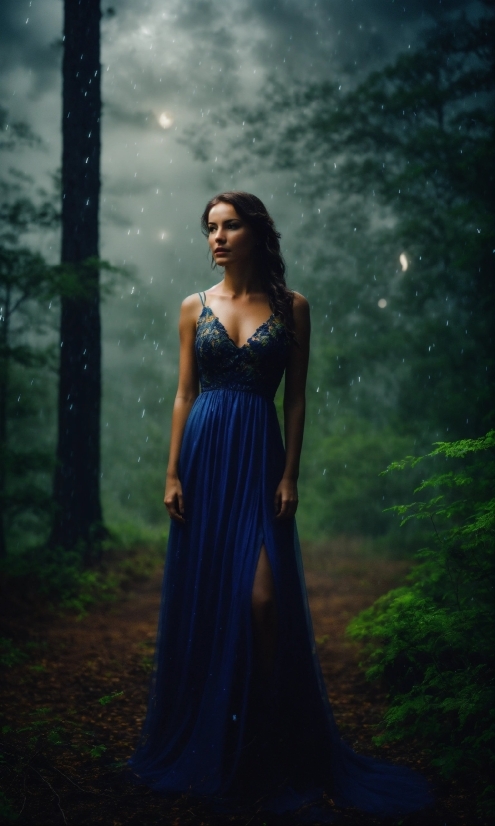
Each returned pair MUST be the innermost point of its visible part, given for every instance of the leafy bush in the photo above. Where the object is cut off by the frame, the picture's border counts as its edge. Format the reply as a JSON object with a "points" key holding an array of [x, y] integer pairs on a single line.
{"points": [[433, 640], [10, 654], [62, 579]]}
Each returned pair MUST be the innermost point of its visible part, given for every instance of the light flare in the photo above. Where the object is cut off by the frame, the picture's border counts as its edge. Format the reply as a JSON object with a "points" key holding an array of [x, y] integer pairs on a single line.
{"points": [[165, 120]]}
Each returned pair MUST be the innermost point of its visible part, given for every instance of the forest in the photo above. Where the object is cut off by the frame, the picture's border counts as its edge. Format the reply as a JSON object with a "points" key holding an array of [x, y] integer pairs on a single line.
{"points": [[389, 182]]}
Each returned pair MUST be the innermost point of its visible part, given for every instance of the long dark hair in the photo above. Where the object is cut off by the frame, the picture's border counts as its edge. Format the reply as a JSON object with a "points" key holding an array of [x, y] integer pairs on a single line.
{"points": [[269, 258]]}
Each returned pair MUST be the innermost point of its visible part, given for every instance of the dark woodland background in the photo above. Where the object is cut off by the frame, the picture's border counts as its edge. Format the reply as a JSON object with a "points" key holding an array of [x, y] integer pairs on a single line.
{"points": [[368, 130]]}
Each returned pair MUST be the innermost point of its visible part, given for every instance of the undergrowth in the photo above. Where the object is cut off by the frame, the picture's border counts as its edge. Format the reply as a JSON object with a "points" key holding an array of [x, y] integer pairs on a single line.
{"points": [[34, 748], [432, 641], [62, 579]]}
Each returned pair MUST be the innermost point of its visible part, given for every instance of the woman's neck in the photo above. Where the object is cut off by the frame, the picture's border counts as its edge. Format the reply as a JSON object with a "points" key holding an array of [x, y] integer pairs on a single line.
{"points": [[242, 280]]}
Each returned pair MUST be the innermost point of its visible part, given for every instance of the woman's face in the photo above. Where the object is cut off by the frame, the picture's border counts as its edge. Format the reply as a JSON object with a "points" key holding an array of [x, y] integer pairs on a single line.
{"points": [[230, 237]]}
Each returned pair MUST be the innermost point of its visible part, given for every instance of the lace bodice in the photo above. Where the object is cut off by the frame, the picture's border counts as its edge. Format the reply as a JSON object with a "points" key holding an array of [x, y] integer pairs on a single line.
{"points": [[257, 366]]}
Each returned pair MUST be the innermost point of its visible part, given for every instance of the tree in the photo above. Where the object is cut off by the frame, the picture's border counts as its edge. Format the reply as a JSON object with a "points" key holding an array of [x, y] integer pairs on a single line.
{"points": [[78, 514]]}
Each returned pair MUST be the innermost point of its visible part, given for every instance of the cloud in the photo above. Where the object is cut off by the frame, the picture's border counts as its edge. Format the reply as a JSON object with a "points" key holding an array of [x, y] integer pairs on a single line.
{"points": [[30, 40], [119, 115]]}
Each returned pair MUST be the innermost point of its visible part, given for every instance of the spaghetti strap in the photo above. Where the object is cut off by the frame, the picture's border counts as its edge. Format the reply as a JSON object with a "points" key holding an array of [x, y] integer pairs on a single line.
{"points": [[203, 298]]}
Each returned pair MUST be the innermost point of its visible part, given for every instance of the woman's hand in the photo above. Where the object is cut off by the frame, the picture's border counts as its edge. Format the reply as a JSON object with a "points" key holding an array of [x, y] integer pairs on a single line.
{"points": [[173, 499], [286, 499]]}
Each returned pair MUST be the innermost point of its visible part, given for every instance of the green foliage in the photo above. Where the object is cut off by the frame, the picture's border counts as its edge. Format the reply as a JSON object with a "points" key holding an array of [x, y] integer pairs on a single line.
{"points": [[62, 579], [7, 813], [344, 492], [10, 654], [34, 744], [433, 640], [28, 287], [104, 701]]}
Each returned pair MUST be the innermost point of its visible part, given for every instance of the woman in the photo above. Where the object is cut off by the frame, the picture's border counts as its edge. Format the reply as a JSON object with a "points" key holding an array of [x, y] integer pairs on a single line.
{"points": [[238, 707]]}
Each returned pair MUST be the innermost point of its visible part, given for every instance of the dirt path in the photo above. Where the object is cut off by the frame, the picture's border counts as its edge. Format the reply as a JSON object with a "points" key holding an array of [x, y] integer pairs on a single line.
{"points": [[77, 662]]}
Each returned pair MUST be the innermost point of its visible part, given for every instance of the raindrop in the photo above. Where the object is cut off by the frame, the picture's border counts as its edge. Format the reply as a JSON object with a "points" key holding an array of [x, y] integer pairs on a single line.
{"points": [[382, 303]]}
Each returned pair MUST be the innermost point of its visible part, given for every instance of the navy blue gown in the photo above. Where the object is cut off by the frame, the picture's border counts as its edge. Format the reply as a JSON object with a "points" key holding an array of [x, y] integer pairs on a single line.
{"points": [[206, 731]]}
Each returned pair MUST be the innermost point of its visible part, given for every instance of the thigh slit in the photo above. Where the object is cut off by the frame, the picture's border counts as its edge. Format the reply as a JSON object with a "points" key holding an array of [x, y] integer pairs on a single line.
{"points": [[264, 617]]}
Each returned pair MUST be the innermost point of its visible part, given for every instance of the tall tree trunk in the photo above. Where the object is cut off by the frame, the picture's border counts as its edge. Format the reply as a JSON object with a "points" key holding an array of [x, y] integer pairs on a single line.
{"points": [[4, 386], [78, 515]]}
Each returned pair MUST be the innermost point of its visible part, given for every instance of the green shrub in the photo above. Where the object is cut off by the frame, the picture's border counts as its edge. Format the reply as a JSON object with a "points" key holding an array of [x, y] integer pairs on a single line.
{"points": [[64, 580], [433, 640]]}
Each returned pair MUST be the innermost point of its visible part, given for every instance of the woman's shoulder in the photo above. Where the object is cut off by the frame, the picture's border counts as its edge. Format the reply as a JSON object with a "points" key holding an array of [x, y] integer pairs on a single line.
{"points": [[190, 311], [300, 306], [302, 322], [191, 304]]}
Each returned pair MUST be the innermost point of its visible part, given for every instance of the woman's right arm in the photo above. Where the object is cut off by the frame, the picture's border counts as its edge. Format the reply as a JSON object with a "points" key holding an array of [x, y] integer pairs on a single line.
{"points": [[187, 392]]}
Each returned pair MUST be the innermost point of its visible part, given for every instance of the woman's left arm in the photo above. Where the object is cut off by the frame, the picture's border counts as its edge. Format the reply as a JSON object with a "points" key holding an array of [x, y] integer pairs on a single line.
{"points": [[286, 497]]}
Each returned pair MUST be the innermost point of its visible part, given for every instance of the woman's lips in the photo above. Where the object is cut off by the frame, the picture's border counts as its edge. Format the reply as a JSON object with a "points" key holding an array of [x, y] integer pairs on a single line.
{"points": [[220, 251]]}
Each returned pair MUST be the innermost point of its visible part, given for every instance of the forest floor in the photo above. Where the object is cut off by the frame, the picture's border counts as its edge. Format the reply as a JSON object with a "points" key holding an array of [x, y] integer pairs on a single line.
{"points": [[66, 749]]}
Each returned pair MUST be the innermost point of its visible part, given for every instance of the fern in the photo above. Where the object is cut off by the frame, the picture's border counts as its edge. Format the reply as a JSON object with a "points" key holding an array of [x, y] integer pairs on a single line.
{"points": [[432, 640]]}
